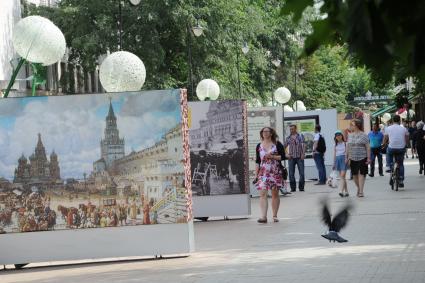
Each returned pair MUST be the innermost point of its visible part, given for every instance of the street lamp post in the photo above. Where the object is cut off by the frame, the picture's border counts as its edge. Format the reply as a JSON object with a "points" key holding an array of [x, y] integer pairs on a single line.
{"points": [[276, 62], [197, 31], [120, 29], [239, 78], [282, 96], [409, 87], [296, 73], [245, 50], [120, 25]]}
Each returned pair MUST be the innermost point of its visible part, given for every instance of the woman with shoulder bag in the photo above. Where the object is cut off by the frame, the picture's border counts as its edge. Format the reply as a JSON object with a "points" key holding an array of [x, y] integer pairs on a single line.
{"points": [[268, 171]]}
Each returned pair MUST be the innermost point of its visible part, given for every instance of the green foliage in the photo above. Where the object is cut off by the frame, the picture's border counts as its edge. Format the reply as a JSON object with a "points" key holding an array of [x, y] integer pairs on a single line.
{"points": [[383, 35], [158, 31]]}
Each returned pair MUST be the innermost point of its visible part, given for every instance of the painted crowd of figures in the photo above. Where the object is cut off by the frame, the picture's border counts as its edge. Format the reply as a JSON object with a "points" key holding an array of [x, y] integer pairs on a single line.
{"points": [[31, 211]]}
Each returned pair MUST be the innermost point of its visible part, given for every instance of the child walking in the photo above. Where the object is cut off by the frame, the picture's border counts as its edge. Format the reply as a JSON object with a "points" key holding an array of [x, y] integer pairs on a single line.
{"points": [[340, 162]]}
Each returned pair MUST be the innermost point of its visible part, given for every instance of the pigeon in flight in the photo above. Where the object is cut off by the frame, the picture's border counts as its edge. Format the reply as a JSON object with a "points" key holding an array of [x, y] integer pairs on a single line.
{"points": [[335, 224]]}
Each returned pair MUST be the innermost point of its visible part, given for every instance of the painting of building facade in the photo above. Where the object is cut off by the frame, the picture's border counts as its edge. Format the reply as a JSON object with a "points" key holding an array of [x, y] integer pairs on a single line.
{"points": [[218, 147], [90, 161]]}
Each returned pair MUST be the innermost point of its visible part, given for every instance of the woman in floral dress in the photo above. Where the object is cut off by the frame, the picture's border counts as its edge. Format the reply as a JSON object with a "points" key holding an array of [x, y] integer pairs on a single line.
{"points": [[269, 154]]}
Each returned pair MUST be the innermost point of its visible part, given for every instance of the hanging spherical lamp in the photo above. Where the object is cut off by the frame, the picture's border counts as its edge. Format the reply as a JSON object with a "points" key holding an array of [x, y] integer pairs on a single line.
{"points": [[287, 108], [38, 40], [207, 88], [122, 71], [386, 117], [282, 95], [298, 105]]}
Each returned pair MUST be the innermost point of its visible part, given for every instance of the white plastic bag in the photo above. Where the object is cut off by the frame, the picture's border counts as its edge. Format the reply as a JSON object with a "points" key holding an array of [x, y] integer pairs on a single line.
{"points": [[333, 179]]}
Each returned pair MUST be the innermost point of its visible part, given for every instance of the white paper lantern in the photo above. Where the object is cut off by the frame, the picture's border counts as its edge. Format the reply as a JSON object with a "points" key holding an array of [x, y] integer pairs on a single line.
{"points": [[386, 117], [122, 71], [207, 88], [38, 40], [298, 105], [282, 95], [411, 113], [135, 2], [255, 103], [287, 108], [302, 108], [403, 115]]}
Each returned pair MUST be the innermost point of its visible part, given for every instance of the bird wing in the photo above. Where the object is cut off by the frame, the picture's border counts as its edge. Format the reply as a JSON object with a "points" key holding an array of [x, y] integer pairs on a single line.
{"points": [[341, 219], [326, 215]]}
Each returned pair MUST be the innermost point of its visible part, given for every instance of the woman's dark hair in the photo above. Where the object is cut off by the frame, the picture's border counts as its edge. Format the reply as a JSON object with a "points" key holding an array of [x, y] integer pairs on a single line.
{"points": [[272, 132], [358, 123], [336, 141]]}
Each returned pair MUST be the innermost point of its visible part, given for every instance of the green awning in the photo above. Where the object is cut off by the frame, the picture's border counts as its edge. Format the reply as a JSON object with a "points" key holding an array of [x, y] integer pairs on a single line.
{"points": [[390, 108]]}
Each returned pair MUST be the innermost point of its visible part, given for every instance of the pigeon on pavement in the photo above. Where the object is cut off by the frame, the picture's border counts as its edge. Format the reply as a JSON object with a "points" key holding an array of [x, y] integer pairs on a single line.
{"points": [[337, 223]]}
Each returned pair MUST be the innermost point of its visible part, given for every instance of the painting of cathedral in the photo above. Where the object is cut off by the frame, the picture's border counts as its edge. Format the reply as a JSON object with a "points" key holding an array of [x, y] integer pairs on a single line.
{"points": [[95, 161], [39, 170]]}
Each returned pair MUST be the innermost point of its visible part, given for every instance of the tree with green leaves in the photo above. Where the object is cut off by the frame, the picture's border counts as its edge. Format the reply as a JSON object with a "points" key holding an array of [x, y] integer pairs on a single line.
{"points": [[382, 35], [158, 31]]}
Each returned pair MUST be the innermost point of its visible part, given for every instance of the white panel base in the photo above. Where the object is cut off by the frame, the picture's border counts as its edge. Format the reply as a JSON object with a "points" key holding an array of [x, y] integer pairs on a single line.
{"points": [[221, 205], [96, 243]]}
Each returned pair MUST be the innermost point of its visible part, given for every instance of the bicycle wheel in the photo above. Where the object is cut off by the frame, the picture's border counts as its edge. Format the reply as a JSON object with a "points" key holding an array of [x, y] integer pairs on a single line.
{"points": [[392, 181], [397, 178]]}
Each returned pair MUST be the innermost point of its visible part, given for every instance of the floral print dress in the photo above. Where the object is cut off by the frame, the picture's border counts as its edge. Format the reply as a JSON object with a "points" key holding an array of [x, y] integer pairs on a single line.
{"points": [[270, 174]]}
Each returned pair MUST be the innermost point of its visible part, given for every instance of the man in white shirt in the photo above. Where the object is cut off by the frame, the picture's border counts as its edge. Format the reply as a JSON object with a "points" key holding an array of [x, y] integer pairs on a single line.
{"points": [[396, 136]]}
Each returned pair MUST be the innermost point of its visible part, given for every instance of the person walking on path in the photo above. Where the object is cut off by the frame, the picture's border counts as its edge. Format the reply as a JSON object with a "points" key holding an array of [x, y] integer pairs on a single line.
{"points": [[347, 132], [319, 149], [397, 137], [406, 126], [376, 138], [387, 155], [412, 142], [358, 154], [269, 153], [420, 145], [340, 161], [295, 145]]}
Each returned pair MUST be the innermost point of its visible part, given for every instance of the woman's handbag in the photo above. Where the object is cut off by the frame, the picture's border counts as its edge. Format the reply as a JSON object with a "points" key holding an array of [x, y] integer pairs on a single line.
{"points": [[284, 172]]}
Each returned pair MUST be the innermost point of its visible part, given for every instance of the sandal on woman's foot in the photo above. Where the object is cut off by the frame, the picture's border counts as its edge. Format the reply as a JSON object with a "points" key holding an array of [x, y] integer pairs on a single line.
{"points": [[341, 195], [275, 219], [346, 195], [262, 220], [360, 195]]}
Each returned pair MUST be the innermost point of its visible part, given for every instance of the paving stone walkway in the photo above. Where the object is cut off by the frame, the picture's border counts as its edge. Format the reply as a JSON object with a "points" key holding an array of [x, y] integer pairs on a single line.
{"points": [[386, 237]]}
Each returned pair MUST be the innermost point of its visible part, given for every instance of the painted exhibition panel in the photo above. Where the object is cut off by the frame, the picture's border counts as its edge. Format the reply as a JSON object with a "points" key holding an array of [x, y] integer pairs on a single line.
{"points": [[258, 118], [218, 147], [305, 126], [91, 161]]}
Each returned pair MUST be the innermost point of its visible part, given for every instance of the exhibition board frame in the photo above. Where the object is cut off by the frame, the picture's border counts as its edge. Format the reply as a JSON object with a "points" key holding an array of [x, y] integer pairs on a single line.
{"points": [[146, 241], [326, 118], [258, 118], [238, 205], [226, 205], [97, 243]]}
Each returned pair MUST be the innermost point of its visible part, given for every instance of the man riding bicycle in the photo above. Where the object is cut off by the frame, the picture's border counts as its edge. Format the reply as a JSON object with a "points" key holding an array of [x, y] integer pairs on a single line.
{"points": [[396, 136]]}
